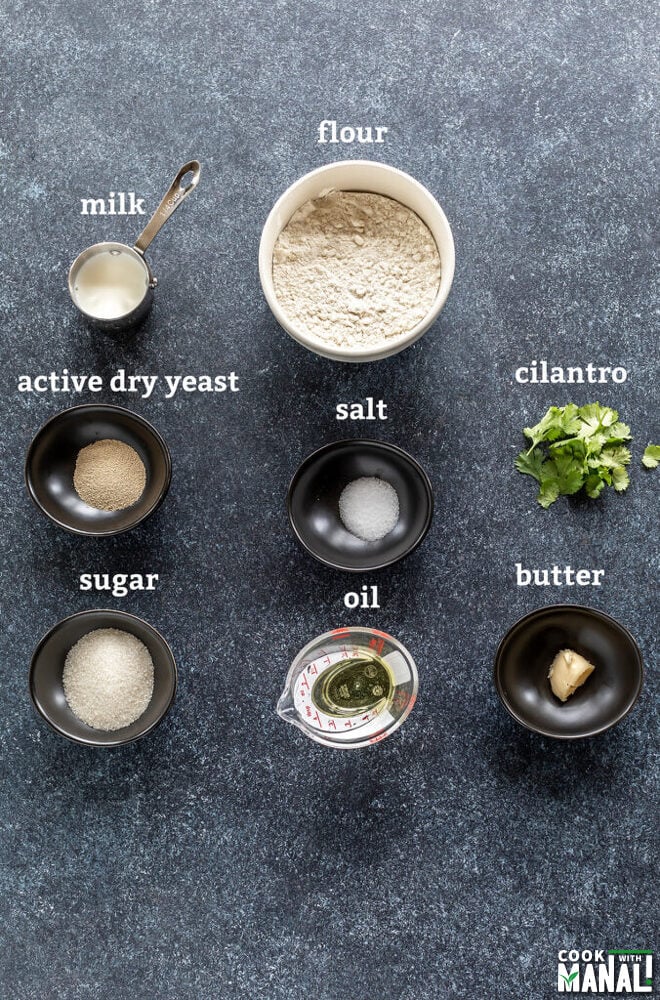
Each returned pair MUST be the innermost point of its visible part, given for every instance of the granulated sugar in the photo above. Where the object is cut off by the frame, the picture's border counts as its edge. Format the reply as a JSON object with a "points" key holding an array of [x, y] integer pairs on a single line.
{"points": [[109, 475], [355, 268], [108, 678], [369, 508]]}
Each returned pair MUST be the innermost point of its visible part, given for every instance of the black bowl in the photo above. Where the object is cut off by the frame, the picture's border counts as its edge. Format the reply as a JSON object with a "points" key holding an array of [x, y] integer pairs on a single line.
{"points": [[51, 460], [527, 650], [47, 665], [313, 504]]}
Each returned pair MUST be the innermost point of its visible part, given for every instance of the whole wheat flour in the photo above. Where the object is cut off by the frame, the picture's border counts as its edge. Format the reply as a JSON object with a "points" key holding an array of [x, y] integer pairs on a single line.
{"points": [[355, 269]]}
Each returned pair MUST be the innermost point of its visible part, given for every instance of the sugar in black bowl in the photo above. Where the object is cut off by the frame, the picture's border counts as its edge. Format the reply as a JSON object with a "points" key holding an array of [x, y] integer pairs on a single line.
{"points": [[375, 472], [47, 681]]}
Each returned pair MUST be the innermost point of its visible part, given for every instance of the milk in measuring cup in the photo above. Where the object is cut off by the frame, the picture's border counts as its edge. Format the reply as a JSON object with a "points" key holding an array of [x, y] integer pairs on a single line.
{"points": [[110, 284]]}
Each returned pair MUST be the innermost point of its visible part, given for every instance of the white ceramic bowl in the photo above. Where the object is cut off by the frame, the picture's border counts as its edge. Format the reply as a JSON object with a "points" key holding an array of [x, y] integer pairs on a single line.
{"points": [[358, 175]]}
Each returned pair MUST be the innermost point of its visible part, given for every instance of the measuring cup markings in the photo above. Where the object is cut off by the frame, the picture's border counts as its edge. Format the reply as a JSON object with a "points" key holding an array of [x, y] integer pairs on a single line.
{"points": [[377, 644], [324, 702], [166, 209], [378, 737]]}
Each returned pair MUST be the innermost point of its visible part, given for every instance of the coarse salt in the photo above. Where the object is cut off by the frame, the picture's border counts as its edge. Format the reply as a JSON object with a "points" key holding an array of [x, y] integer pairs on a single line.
{"points": [[369, 508]]}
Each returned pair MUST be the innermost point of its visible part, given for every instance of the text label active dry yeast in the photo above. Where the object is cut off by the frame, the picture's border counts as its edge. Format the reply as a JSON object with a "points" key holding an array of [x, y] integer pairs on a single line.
{"points": [[122, 382]]}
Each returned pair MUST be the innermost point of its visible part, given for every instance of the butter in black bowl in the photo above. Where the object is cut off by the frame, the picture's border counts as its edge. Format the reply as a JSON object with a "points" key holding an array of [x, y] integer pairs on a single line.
{"points": [[51, 464], [313, 504], [527, 651]]}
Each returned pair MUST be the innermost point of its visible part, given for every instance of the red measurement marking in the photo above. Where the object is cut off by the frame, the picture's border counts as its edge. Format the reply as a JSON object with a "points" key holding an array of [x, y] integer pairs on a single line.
{"points": [[340, 631], [384, 634], [313, 670], [327, 660], [304, 682], [348, 725], [317, 718], [308, 711], [377, 644], [332, 724], [378, 737]]}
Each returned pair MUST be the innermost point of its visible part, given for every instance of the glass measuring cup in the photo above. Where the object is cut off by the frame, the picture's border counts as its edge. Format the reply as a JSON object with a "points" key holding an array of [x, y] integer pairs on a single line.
{"points": [[311, 702], [111, 283]]}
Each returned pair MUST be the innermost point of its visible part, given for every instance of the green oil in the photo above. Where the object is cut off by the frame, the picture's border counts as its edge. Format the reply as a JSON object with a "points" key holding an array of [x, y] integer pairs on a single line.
{"points": [[355, 685]]}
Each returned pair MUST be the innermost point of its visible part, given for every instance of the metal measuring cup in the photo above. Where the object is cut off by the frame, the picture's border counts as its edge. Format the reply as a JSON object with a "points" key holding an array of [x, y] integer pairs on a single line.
{"points": [[111, 283]]}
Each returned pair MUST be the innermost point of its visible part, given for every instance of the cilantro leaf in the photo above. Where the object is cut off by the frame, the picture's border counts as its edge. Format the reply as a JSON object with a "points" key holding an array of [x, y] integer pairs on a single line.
{"points": [[547, 429], [549, 491], [618, 432], [651, 456], [620, 479], [595, 418], [594, 486], [529, 463], [594, 443], [590, 419], [613, 455], [569, 472], [570, 419]]}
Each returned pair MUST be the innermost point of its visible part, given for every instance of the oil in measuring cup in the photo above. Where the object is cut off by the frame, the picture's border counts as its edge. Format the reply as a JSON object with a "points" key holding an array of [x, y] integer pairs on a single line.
{"points": [[355, 686], [350, 687]]}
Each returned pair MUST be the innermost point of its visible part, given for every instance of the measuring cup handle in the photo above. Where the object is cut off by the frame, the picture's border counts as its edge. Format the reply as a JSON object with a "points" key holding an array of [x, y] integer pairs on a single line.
{"points": [[169, 204]]}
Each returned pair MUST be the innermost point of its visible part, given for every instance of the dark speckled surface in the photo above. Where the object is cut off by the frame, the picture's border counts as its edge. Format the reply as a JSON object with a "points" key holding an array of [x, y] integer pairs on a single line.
{"points": [[227, 856]]}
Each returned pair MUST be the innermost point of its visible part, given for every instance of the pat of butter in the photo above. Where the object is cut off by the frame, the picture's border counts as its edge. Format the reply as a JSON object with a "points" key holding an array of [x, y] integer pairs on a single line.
{"points": [[567, 672]]}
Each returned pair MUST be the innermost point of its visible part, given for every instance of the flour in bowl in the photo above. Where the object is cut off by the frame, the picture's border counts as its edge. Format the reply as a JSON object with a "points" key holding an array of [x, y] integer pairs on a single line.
{"points": [[355, 269]]}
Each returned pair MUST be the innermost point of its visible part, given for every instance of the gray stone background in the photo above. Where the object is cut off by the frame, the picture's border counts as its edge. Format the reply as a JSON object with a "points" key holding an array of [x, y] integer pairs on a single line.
{"points": [[227, 856]]}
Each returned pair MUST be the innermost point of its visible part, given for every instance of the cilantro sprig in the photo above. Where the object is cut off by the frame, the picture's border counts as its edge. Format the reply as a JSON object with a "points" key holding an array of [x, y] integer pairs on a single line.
{"points": [[575, 447]]}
